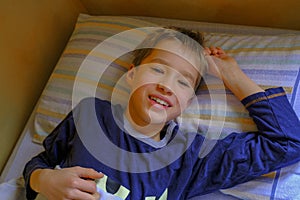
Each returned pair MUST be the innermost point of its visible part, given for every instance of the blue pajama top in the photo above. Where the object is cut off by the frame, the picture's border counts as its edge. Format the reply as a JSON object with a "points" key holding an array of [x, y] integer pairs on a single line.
{"points": [[182, 165]]}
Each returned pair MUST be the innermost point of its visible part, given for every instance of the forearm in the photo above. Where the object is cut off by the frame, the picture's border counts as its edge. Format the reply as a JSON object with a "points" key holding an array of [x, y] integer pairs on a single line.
{"points": [[36, 179], [31, 169], [239, 83]]}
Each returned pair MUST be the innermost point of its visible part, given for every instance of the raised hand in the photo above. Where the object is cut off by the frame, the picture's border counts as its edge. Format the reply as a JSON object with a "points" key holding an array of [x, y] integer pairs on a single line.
{"points": [[227, 69], [219, 62]]}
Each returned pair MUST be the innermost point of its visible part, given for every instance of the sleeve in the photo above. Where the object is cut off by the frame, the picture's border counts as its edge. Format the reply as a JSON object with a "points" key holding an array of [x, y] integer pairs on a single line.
{"points": [[241, 157], [56, 147]]}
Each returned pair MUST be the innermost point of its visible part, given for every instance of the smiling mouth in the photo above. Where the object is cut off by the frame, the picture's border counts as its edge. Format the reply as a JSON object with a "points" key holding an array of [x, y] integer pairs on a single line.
{"points": [[159, 101]]}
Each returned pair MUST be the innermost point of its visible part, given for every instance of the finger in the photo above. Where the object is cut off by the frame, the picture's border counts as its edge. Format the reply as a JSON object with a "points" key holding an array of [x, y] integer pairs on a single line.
{"points": [[207, 51], [220, 51], [88, 186], [96, 196], [88, 173], [79, 195], [214, 50]]}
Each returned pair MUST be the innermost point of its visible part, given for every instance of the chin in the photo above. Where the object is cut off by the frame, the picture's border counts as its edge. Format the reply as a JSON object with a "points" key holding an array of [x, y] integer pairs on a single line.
{"points": [[160, 118]]}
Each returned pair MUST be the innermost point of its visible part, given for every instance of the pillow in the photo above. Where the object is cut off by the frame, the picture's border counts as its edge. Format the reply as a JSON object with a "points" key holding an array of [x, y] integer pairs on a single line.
{"points": [[271, 61], [56, 99]]}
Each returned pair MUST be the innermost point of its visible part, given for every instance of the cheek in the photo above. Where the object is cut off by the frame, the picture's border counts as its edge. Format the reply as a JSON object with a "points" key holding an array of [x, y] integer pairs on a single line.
{"points": [[184, 98], [184, 94], [143, 81]]}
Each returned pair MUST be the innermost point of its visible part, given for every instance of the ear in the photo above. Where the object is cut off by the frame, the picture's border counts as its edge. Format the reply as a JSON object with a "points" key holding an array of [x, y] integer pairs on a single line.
{"points": [[130, 74]]}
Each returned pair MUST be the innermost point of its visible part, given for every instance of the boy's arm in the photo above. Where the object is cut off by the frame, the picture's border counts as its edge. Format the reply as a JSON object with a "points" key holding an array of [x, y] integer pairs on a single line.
{"points": [[55, 146], [241, 157], [277, 123], [41, 177]]}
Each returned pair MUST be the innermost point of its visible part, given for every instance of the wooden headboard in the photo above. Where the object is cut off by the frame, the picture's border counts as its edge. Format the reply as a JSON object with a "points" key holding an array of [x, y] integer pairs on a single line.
{"points": [[266, 13]]}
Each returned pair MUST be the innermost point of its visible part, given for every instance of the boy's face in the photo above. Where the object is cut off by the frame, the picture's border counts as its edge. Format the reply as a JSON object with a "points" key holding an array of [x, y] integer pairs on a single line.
{"points": [[163, 85]]}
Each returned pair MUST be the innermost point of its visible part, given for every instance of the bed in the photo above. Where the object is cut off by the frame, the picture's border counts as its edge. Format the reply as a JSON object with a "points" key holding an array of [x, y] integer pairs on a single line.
{"points": [[271, 57]]}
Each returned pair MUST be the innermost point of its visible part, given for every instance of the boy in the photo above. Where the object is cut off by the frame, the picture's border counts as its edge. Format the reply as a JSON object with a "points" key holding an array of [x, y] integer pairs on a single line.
{"points": [[162, 81]]}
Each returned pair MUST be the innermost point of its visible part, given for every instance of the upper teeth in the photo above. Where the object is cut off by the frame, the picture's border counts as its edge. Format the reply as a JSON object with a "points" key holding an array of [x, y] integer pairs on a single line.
{"points": [[162, 102]]}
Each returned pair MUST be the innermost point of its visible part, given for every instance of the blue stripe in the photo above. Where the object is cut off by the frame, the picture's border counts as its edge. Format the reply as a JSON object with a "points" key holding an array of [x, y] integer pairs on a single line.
{"points": [[276, 179], [295, 88], [271, 72]]}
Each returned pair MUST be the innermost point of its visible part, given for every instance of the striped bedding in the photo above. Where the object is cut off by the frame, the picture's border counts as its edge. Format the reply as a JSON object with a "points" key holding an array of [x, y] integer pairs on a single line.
{"points": [[270, 60]]}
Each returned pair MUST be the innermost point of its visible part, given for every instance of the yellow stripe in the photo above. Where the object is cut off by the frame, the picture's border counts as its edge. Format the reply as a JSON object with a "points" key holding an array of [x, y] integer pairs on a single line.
{"points": [[97, 24], [77, 51], [50, 113], [63, 76], [38, 138], [264, 98], [90, 82], [219, 118], [97, 54], [287, 89], [218, 107], [270, 175], [212, 86], [220, 86]]}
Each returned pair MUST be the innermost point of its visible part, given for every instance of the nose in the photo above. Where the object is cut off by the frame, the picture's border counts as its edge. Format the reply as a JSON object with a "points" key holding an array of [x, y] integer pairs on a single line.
{"points": [[164, 88]]}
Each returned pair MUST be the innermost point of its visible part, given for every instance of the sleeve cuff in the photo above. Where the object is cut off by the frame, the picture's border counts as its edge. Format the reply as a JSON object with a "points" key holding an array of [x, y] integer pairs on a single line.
{"points": [[262, 96]]}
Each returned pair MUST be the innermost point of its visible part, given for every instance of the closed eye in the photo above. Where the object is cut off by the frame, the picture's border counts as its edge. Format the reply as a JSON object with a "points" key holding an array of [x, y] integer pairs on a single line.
{"points": [[158, 70], [184, 83]]}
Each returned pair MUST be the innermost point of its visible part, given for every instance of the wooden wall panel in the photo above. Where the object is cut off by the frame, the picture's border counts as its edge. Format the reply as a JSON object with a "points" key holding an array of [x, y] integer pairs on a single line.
{"points": [[266, 13], [32, 37]]}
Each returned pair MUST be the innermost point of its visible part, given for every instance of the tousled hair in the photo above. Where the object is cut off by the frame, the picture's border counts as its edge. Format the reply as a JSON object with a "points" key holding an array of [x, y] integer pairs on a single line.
{"points": [[193, 40]]}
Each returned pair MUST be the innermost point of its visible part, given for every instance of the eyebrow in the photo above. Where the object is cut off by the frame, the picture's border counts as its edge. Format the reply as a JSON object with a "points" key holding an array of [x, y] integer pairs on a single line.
{"points": [[161, 61], [186, 74]]}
